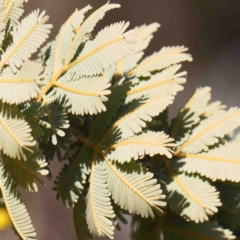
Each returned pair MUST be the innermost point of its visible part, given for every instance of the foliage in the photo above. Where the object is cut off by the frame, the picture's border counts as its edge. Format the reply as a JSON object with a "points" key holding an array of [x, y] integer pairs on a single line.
{"points": [[93, 101]]}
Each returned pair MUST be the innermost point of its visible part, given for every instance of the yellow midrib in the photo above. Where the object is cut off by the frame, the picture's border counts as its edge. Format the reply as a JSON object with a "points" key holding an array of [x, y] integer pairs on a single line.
{"points": [[77, 91], [128, 184], [2, 63], [67, 67], [19, 80], [7, 3], [119, 67], [95, 50], [69, 53], [9, 131], [210, 158], [126, 143], [152, 61], [91, 183], [8, 10], [191, 140], [148, 86], [58, 47], [10, 212], [19, 163], [182, 186], [114, 125]]}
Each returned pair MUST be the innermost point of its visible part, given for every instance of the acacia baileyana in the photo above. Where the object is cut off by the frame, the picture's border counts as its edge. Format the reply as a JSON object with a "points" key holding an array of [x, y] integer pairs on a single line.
{"points": [[93, 101]]}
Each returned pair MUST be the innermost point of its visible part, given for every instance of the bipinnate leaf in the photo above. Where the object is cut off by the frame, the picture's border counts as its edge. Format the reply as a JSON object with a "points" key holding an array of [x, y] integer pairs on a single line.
{"points": [[22, 86], [12, 10], [134, 189], [82, 32], [30, 33], [159, 60], [17, 211], [221, 163], [60, 47], [57, 119], [229, 213], [104, 119], [164, 83], [143, 34], [208, 132], [191, 197], [99, 209], [15, 134], [71, 180], [25, 173], [112, 41], [191, 113], [83, 95], [148, 143], [138, 113]]}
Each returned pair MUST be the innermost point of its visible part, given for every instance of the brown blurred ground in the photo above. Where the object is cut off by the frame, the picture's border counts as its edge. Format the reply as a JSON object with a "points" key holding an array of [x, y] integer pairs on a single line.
{"points": [[211, 30]]}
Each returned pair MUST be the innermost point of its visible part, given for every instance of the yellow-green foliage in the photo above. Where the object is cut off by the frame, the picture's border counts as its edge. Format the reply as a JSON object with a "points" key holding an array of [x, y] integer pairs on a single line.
{"points": [[95, 103]]}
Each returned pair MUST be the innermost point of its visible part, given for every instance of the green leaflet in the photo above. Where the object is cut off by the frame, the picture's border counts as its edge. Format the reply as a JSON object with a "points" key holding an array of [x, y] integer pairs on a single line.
{"points": [[58, 120], [104, 119], [229, 213], [70, 181], [25, 173]]}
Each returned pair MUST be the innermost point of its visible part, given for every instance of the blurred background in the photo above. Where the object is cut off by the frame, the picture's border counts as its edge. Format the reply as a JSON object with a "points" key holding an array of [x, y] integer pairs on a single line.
{"points": [[211, 31]]}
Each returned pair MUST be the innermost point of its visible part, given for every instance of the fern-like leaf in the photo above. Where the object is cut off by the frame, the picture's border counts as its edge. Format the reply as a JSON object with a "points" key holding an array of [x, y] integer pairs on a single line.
{"points": [[136, 116], [221, 163], [99, 209], [86, 28], [12, 11], [229, 213], [70, 181], [133, 189], [15, 134], [84, 95], [191, 197], [143, 34], [22, 86], [24, 173], [103, 120], [58, 120], [209, 131], [111, 42], [17, 211], [165, 57], [27, 37], [191, 113], [164, 83], [60, 47], [147, 143]]}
